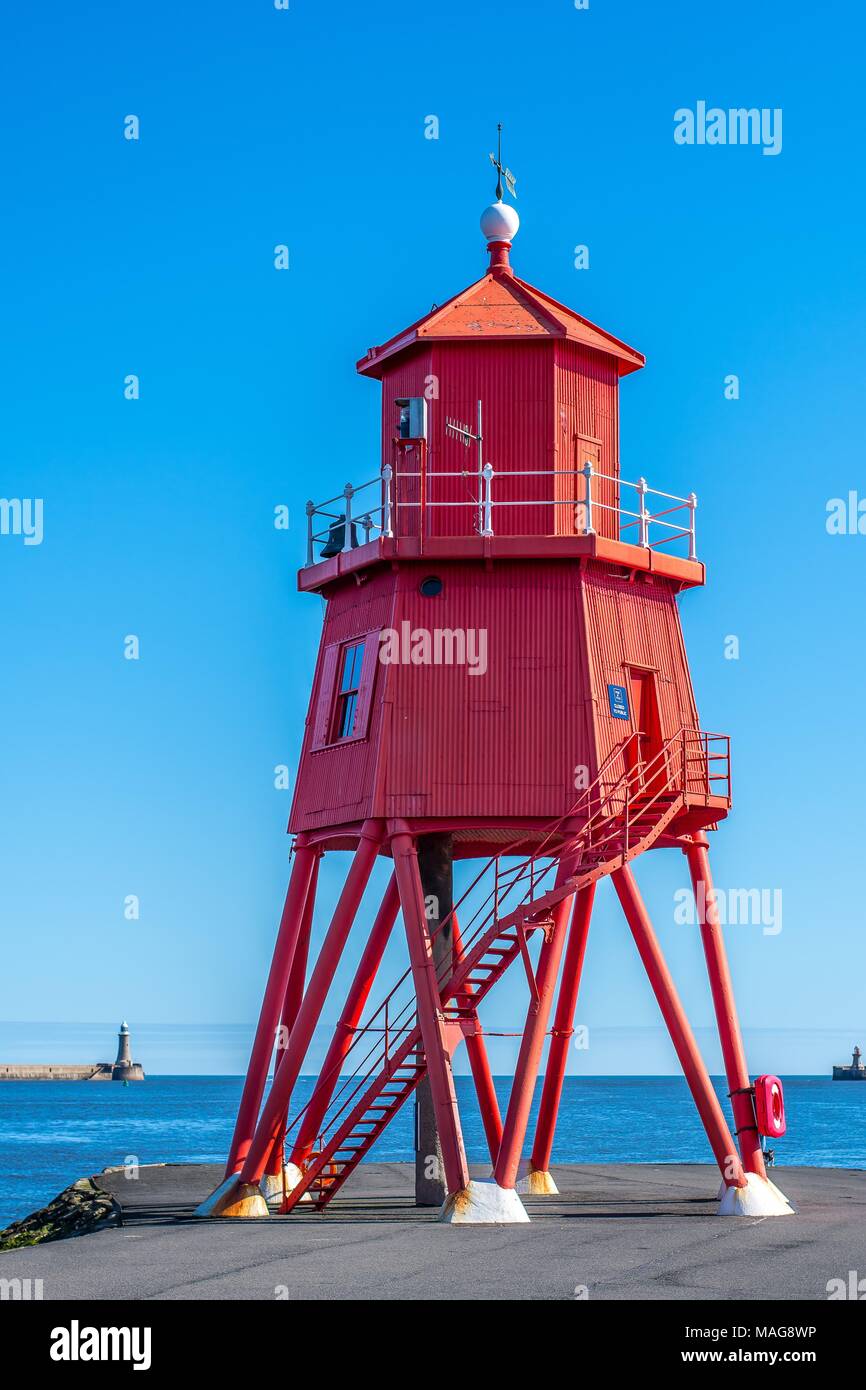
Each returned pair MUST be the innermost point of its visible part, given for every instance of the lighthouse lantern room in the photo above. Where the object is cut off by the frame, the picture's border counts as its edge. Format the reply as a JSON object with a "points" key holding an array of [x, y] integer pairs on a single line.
{"points": [[501, 679]]}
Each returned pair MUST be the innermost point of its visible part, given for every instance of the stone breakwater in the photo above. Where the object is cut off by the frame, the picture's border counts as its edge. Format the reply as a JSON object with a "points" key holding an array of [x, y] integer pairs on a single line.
{"points": [[89, 1071]]}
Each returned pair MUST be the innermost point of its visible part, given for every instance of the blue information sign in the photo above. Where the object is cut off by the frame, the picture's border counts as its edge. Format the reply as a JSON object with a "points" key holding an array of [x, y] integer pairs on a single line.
{"points": [[617, 698]]}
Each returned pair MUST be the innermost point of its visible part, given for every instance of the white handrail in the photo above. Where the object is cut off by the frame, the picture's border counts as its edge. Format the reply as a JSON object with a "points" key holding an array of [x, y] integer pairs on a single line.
{"points": [[380, 518]]}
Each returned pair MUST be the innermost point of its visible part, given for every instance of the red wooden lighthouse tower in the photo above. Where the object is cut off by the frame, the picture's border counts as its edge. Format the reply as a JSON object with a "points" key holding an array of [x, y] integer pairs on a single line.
{"points": [[501, 678]]}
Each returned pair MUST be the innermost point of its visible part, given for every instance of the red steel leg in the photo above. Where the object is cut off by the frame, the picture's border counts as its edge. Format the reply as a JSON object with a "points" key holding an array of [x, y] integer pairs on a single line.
{"points": [[682, 1037], [313, 1001], [736, 1069], [349, 1018], [563, 1029], [291, 1004], [531, 1045], [430, 1016], [479, 1065], [275, 991]]}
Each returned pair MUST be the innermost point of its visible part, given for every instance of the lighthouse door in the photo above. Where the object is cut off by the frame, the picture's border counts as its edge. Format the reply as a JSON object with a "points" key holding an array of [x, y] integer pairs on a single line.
{"points": [[570, 491], [646, 724]]}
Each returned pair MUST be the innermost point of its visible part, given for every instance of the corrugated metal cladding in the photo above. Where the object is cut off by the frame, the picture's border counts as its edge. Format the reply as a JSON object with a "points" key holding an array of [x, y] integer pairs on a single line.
{"points": [[635, 624], [335, 784], [499, 744], [543, 403], [504, 743], [514, 382], [410, 375], [546, 638], [547, 406], [587, 415]]}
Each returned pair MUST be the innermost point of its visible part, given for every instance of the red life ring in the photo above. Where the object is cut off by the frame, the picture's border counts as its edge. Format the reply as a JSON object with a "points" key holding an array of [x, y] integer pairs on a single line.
{"points": [[770, 1106]]}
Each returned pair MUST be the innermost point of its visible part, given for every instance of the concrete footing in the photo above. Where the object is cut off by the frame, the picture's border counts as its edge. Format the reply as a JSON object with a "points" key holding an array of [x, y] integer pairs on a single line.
{"points": [[484, 1204], [234, 1198], [273, 1185], [535, 1182], [759, 1198]]}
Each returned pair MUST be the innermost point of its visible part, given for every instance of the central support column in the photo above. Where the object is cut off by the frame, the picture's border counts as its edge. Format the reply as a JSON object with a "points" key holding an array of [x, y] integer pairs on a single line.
{"points": [[430, 1018], [436, 866]]}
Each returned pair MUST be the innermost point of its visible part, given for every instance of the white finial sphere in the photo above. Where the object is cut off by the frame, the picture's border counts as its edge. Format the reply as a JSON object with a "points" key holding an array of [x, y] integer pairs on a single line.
{"points": [[500, 222]]}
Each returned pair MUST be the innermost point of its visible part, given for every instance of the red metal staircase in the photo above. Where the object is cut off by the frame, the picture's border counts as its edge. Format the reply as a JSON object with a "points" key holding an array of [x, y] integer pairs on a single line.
{"points": [[622, 814]]}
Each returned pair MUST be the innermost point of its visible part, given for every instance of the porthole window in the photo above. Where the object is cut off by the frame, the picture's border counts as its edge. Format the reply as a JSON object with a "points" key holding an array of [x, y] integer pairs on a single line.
{"points": [[431, 586]]}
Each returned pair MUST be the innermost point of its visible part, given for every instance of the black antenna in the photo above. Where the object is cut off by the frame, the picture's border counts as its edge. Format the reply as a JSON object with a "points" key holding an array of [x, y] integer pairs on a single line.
{"points": [[501, 170]]}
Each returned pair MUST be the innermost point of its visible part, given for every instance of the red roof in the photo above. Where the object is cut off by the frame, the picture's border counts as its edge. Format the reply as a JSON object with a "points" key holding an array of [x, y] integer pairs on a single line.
{"points": [[501, 306]]}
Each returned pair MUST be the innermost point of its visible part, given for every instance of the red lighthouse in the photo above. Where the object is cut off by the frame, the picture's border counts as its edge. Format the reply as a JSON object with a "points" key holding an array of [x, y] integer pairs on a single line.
{"points": [[502, 678]]}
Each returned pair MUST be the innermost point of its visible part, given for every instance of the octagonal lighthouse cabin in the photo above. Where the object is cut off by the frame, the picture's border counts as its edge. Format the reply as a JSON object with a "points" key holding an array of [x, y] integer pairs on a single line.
{"points": [[502, 676]]}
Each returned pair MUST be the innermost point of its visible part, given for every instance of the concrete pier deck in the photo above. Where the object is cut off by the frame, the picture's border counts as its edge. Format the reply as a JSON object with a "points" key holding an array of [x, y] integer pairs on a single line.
{"points": [[618, 1231]]}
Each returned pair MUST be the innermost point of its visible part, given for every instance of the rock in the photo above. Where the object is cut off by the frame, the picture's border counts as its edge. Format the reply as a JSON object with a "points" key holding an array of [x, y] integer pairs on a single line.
{"points": [[76, 1211]]}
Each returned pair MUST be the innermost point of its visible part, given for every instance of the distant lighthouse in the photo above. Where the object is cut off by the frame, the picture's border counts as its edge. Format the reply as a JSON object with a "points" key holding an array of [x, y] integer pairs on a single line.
{"points": [[124, 1068], [855, 1072]]}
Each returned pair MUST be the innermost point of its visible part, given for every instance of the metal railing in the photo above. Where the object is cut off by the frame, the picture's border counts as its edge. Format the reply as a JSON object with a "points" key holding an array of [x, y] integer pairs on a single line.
{"points": [[646, 523]]}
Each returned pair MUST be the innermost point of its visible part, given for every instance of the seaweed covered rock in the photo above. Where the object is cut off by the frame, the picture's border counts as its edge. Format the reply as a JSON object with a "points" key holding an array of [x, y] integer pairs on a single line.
{"points": [[77, 1210]]}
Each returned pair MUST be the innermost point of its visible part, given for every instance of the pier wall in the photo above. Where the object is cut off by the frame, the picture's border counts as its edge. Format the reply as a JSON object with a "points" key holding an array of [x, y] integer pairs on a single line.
{"points": [[25, 1071]]}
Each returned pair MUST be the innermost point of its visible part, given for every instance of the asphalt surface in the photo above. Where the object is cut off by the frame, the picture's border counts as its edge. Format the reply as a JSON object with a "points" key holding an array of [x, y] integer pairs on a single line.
{"points": [[616, 1231]]}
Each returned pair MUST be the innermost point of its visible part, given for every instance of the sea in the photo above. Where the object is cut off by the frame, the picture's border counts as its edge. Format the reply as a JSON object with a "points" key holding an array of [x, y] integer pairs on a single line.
{"points": [[53, 1132]]}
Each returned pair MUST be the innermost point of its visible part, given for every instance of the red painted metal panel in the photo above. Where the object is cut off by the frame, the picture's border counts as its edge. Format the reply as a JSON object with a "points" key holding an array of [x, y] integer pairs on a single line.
{"points": [[547, 406], [325, 696], [587, 414], [336, 783], [514, 382], [546, 640], [635, 623]]}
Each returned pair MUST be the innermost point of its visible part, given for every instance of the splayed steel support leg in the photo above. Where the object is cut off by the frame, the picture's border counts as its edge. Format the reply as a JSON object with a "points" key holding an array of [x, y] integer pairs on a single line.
{"points": [[562, 1033], [430, 1017], [239, 1195], [532, 1044], [721, 1140], [313, 1001], [479, 1064], [344, 1034], [274, 1178], [299, 890], [725, 1006]]}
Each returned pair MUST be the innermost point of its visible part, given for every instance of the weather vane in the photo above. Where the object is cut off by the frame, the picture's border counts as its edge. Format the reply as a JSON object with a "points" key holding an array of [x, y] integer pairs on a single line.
{"points": [[506, 174]]}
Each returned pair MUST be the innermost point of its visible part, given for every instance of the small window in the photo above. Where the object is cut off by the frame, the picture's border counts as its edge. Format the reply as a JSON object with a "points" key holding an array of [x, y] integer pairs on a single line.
{"points": [[413, 417], [351, 662], [430, 587]]}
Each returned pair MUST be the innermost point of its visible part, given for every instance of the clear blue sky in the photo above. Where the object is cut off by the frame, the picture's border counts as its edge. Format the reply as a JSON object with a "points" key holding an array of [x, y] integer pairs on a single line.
{"points": [[155, 257]]}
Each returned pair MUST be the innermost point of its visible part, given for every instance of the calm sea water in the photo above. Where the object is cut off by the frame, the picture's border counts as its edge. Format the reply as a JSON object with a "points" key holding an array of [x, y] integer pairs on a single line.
{"points": [[54, 1132]]}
